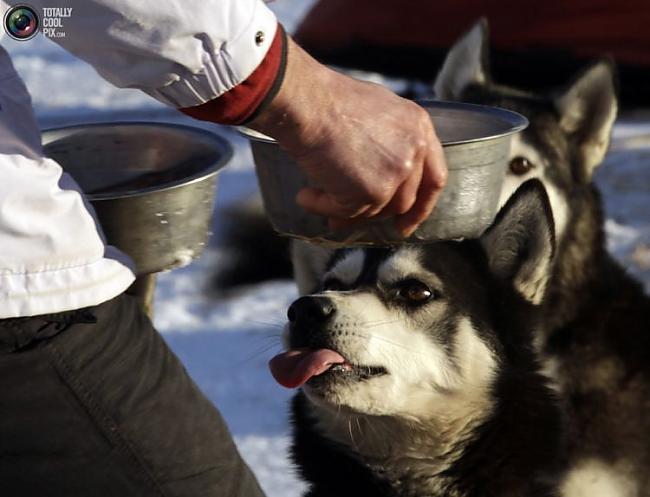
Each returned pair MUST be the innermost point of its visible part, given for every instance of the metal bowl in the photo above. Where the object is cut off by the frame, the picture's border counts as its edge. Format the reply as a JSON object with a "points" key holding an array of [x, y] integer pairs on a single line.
{"points": [[476, 143], [152, 185]]}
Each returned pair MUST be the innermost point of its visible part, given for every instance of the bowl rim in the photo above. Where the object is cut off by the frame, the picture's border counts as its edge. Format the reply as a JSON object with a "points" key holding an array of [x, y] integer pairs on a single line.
{"points": [[224, 148], [516, 121]]}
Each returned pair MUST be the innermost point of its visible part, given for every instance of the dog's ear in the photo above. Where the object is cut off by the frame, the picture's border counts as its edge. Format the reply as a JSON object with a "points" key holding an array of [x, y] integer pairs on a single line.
{"points": [[587, 111], [466, 63], [520, 244], [309, 265]]}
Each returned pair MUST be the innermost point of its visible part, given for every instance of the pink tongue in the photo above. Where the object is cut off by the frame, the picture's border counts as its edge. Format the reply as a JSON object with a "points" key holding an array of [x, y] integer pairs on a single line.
{"points": [[294, 367]]}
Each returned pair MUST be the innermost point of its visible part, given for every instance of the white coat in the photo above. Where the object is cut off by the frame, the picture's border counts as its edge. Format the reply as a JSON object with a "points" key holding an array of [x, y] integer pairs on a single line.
{"points": [[184, 53]]}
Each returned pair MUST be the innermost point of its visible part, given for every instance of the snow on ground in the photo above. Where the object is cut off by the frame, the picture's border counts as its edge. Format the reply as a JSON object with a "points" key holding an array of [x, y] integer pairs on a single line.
{"points": [[226, 344]]}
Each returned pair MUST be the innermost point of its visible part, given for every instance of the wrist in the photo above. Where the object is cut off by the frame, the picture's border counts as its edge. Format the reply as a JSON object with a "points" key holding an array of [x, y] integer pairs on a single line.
{"points": [[294, 114]]}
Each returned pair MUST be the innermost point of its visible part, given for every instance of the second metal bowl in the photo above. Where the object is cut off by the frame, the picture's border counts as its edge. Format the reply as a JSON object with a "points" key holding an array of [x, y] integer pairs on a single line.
{"points": [[151, 184]]}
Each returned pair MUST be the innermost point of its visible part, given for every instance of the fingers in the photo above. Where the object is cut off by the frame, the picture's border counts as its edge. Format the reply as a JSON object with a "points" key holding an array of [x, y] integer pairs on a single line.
{"points": [[399, 201], [400, 175], [405, 196], [412, 202], [434, 178]]}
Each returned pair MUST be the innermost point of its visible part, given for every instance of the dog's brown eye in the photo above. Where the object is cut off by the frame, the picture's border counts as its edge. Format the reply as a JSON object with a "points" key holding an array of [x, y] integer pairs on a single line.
{"points": [[520, 166], [415, 292], [333, 285]]}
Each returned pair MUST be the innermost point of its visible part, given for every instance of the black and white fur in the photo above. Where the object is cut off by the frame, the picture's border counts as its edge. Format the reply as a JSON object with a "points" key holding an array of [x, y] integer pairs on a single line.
{"points": [[596, 335], [445, 396], [593, 338]]}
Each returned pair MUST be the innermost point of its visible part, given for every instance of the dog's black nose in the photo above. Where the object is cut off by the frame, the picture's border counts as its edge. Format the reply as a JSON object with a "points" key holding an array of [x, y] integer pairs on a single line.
{"points": [[311, 310]]}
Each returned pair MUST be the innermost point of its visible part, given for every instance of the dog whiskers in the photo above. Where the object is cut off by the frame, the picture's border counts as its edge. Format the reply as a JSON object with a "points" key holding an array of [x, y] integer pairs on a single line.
{"points": [[386, 340], [270, 324], [261, 351], [269, 336], [354, 444], [359, 426], [373, 324]]}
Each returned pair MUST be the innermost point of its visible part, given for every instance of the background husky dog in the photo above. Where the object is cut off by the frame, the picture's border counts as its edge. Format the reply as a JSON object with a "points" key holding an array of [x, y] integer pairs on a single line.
{"points": [[417, 368], [597, 318], [567, 139]]}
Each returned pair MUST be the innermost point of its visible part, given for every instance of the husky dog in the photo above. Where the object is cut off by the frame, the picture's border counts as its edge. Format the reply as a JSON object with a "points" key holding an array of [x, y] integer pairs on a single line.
{"points": [[596, 334], [417, 368], [592, 332], [566, 140]]}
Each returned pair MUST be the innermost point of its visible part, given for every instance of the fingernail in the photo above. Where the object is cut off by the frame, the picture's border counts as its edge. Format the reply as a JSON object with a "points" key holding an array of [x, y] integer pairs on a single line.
{"points": [[408, 232]]}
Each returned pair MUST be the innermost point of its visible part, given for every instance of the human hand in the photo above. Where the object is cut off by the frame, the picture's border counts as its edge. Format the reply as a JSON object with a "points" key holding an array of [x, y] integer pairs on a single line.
{"points": [[371, 153]]}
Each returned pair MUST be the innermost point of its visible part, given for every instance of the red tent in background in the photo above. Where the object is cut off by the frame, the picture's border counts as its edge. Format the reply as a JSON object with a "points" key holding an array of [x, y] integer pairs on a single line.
{"points": [[536, 44]]}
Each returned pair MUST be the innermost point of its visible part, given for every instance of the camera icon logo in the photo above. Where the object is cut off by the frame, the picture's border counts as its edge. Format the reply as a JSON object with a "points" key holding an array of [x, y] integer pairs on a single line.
{"points": [[21, 22]]}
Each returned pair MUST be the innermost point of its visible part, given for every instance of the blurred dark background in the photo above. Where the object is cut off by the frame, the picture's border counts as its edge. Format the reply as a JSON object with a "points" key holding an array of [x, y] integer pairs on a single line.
{"points": [[537, 45]]}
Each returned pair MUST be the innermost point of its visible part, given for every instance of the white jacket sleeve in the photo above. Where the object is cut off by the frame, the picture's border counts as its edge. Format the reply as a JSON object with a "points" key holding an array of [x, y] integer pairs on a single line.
{"points": [[52, 252], [181, 52]]}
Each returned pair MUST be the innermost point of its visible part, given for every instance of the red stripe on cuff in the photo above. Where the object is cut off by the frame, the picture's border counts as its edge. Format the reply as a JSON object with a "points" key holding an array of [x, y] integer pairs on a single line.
{"points": [[241, 102]]}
